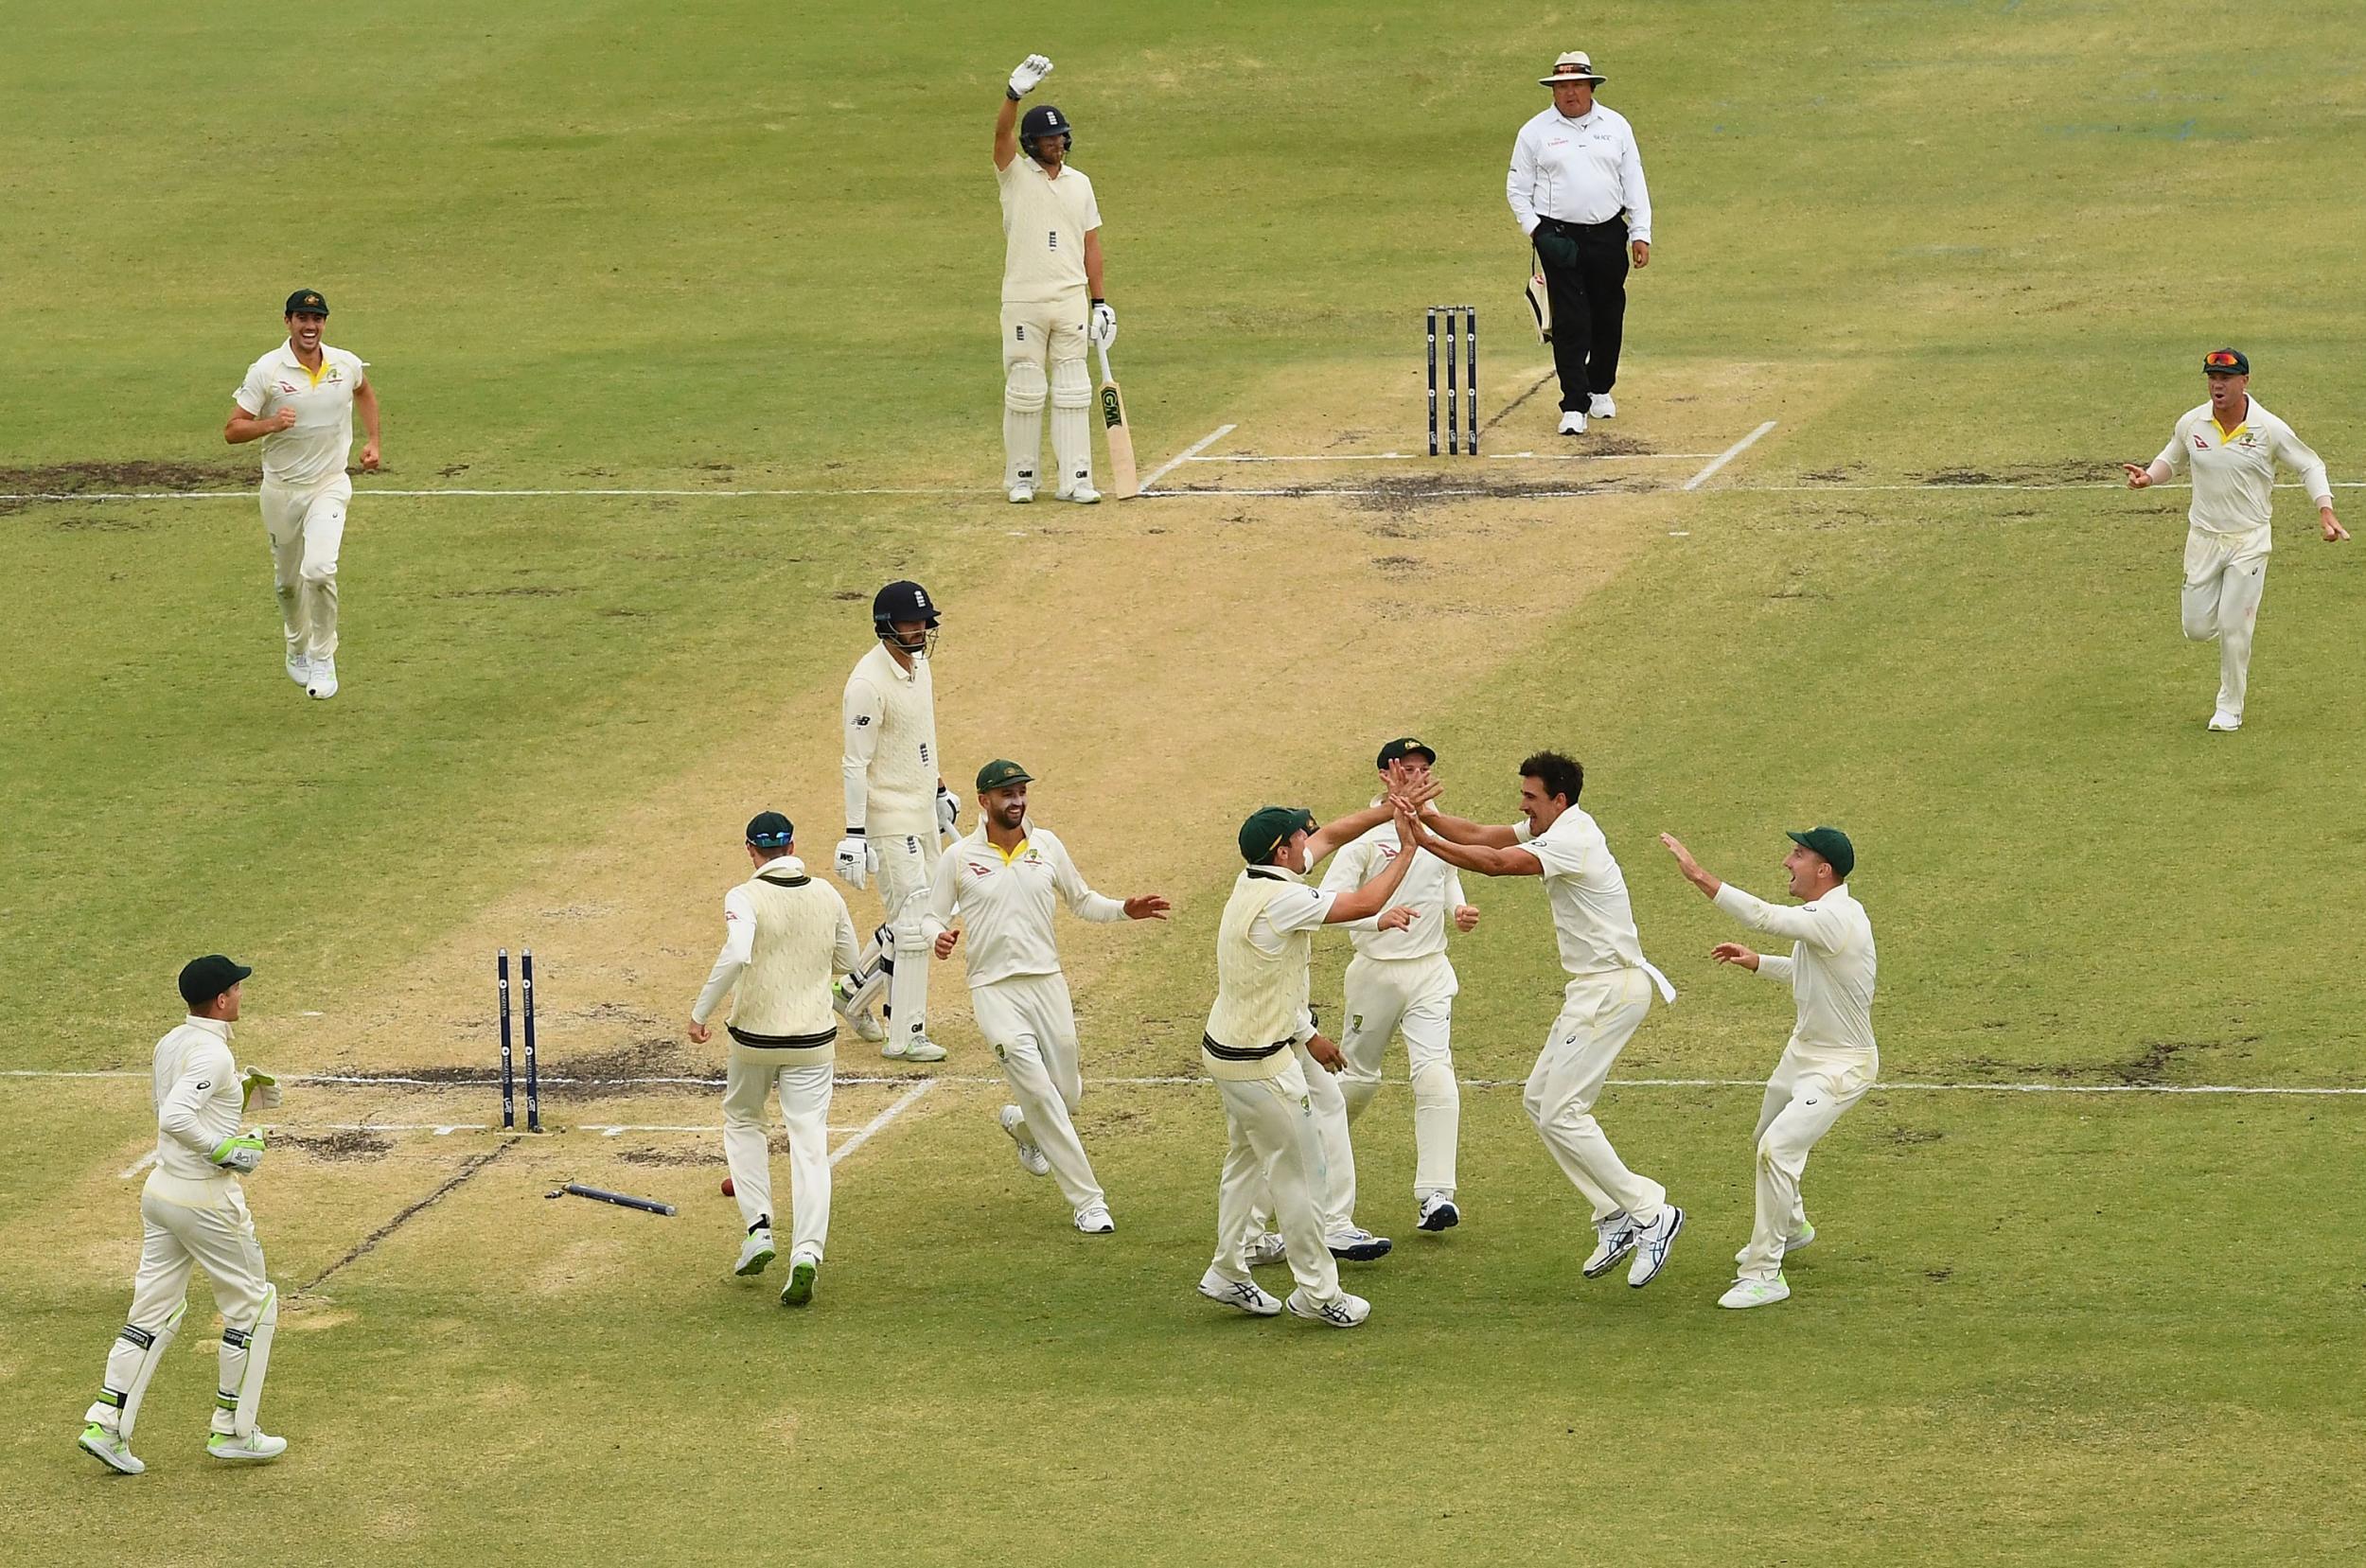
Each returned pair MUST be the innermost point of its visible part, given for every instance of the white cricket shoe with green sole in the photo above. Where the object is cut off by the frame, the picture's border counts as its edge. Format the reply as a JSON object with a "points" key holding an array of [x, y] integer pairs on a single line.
{"points": [[1755, 1293], [256, 1448], [111, 1450]]}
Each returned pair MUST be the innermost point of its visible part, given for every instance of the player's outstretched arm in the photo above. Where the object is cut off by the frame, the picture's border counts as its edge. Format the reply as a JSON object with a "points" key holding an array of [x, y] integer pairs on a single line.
{"points": [[1486, 858], [1025, 80], [1374, 896], [1461, 830]]}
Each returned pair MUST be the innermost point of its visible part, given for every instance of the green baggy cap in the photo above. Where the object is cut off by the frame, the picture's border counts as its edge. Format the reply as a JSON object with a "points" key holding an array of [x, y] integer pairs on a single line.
{"points": [[1830, 843], [1001, 773], [1269, 827]]}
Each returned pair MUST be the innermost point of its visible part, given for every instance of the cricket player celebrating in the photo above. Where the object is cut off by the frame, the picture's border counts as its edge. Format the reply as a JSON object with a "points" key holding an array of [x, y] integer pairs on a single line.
{"points": [[1265, 946], [1609, 991], [193, 1211], [1399, 979], [1000, 882], [1052, 297], [1831, 1061], [2233, 445], [897, 806], [785, 937], [298, 402]]}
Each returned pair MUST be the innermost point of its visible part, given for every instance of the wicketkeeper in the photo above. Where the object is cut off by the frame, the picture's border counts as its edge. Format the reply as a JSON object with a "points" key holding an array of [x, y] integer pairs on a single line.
{"points": [[193, 1211]]}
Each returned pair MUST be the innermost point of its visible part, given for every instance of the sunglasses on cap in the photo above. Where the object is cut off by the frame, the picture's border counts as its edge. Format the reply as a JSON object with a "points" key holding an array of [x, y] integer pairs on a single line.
{"points": [[2222, 359]]}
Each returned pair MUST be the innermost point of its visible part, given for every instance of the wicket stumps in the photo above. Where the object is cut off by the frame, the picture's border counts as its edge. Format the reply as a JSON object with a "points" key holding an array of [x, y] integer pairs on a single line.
{"points": [[1464, 320], [534, 1083]]}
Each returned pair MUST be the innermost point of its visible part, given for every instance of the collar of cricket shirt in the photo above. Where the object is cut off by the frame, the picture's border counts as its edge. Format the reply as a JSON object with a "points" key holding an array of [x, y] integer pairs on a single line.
{"points": [[789, 863], [211, 1025]]}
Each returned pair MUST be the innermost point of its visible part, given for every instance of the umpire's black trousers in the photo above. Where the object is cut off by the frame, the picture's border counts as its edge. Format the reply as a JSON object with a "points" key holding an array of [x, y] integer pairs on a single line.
{"points": [[1585, 280]]}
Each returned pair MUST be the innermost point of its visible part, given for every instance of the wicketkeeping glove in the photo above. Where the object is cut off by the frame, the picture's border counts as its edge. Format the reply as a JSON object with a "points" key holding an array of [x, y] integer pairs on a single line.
{"points": [[241, 1153], [1103, 329], [948, 811], [854, 860], [261, 1089], [1029, 76]]}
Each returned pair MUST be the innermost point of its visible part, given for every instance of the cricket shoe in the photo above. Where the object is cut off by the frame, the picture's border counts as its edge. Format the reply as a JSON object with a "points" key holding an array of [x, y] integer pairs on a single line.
{"points": [[1614, 1239], [300, 668], [1755, 1293], [799, 1291], [1652, 1243], [1084, 495], [111, 1450], [921, 1048], [1341, 1312], [1022, 493], [1030, 1159], [1093, 1220], [2226, 723], [1357, 1246], [867, 1026], [1438, 1213], [1600, 407], [1573, 422], [1790, 1244], [1263, 1248], [1240, 1294], [755, 1253], [256, 1448], [323, 683]]}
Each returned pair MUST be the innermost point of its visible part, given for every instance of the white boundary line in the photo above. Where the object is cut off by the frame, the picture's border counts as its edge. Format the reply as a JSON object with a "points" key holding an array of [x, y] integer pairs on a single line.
{"points": [[1184, 456], [863, 1133], [1728, 456]]}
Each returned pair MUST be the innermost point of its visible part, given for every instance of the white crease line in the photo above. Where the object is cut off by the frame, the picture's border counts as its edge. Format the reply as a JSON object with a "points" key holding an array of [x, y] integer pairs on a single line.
{"points": [[1298, 492], [1191, 452], [615, 1129], [1728, 456], [1416, 457], [863, 1135], [137, 1166], [627, 494]]}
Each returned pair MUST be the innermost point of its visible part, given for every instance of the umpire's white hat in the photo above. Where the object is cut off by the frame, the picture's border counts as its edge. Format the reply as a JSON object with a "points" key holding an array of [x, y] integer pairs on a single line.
{"points": [[1572, 66]]}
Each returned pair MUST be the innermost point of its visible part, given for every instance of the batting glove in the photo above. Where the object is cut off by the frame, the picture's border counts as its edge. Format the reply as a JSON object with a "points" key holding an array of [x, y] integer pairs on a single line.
{"points": [[853, 859], [260, 1089], [1029, 76], [948, 811], [1102, 330], [241, 1153]]}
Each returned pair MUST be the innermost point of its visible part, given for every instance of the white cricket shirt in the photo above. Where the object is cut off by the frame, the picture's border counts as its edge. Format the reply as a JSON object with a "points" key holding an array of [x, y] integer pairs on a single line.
{"points": [[1585, 171], [890, 764], [1830, 967], [2234, 471], [314, 449], [1045, 218], [198, 1101], [1593, 921], [1004, 903], [1431, 887]]}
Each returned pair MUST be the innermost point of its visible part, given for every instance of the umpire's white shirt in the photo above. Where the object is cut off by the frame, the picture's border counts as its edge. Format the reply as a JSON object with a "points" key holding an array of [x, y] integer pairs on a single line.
{"points": [[1005, 902], [1433, 888], [1830, 967], [2234, 471], [1585, 171]]}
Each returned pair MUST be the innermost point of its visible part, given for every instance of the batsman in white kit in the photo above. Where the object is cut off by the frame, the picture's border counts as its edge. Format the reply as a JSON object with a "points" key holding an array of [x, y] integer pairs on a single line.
{"points": [[786, 937], [1400, 980], [1609, 992], [193, 1211], [2233, 446], [1001, 882], [298, 400], [898, 808], [1831, 1060], [1054, 300], [1260, 1022]]}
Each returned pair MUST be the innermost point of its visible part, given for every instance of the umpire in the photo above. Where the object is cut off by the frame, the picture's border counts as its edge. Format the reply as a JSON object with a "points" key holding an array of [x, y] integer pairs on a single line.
{"points": [[1577, 189]]}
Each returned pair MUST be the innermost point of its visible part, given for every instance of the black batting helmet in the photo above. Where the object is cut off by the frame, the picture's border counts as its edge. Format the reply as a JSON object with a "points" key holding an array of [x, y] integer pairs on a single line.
{"points": [[907, 601], [1044, 120]]}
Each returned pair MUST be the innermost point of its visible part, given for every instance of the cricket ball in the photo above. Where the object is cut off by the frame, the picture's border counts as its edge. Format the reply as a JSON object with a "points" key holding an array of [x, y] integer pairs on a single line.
{"points": [[729, 1190]]}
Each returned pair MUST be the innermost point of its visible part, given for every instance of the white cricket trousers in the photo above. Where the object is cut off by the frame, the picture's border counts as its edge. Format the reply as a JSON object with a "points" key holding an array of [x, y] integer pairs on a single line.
{"points": [[1031, 1023], [306, 527], [1599, 1013], [1416, 996], [1810, 1090], [1043, 353], [2225, 575], [221, 1242], [903, 870], [1272, 1148], [749, 1077]]}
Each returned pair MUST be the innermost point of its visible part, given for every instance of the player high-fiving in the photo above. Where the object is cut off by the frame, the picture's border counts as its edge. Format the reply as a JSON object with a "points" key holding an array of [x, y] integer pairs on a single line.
{"points": [[1052, 302]]}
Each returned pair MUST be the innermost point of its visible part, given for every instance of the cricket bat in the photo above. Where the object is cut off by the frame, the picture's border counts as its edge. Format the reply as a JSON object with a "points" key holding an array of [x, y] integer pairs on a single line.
{"points": [[1122, 482], [1539, 301]]}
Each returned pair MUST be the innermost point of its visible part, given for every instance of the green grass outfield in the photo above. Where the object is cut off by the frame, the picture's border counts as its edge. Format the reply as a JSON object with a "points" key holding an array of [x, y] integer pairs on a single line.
{"points": [[741, 246]]}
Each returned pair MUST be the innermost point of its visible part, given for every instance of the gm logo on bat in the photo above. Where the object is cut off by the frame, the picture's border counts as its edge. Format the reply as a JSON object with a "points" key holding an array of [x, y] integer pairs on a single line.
{"points": [[1111, 414]]}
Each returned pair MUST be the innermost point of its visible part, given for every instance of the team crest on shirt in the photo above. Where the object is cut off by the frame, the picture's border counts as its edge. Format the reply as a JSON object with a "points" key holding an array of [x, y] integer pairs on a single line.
{"points": [[290, 388], [2201, 443]]}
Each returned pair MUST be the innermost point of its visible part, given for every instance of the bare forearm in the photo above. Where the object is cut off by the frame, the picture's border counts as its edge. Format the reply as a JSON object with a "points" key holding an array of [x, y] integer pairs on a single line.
{"points": [[365, 402], [243, 429], [1092, 267], [1347, 830], [1483, 859], [1461, 830]]}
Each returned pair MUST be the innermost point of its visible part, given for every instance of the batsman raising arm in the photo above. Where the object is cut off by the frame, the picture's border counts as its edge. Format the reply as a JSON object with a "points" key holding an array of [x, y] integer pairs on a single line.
{"points": [[1053, 304]]}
